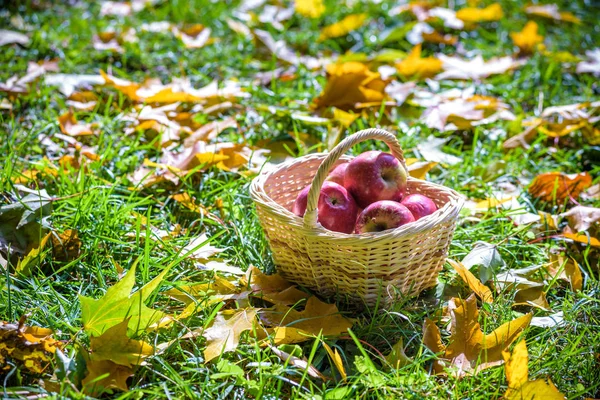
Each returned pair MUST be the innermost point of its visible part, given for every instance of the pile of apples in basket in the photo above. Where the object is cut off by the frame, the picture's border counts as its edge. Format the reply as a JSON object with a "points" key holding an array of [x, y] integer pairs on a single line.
{"points": [[367, 194]]}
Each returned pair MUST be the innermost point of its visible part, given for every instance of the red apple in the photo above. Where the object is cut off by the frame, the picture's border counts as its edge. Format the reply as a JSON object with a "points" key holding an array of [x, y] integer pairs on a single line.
{"points": [[338, 173], [383, 215], [375, 176], [336, 209], [419, 205]]}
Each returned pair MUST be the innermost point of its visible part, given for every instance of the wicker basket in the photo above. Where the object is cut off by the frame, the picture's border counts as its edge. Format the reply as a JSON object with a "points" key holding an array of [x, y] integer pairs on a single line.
{"points": [[360, 269]]}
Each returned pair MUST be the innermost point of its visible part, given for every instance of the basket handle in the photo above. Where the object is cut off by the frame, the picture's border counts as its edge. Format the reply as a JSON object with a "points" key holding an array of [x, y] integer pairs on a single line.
{"points": [[310, 216]]}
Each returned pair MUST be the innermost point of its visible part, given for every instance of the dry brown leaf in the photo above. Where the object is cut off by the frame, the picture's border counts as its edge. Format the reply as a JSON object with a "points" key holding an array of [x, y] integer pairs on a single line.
{"points": [[291, 326], [69, 126], [592, 64], [283, 52], [29, 346], [566, 269], [551, 11], [351, 83], [225, 331], [108, 40], [310, 8], [517, 375], [415, 66], [432, 339], [18, 85], [470, 351], [273, 288], [210, 131], [397, 357], [11, 37], [477, 68], [343, 27], [482, 291], [300, 363], [528, 38], [581, 218], [114, 376], [557, 187], [492, 12], [533, 296], [193, 37], [592, 193], [66, 246]]}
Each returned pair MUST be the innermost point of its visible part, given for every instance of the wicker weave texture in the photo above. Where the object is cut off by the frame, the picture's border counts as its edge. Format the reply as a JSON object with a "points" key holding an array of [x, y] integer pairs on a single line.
{"points": [[360, 269]]}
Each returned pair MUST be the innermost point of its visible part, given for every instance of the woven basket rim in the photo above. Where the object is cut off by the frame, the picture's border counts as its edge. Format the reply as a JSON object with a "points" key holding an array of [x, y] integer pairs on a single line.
{"points": [[449, 211]]}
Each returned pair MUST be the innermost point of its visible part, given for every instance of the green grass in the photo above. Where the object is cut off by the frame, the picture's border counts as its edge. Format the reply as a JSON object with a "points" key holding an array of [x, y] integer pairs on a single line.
{"points": [[98, 202]]}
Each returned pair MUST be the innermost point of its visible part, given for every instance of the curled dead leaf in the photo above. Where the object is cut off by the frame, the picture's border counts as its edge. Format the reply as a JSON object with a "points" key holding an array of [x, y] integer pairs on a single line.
{"points": [[556, 187]]}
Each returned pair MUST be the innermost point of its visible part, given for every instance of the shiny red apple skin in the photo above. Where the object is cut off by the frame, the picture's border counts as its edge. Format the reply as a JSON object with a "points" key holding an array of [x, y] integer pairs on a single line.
{"points": [[337, 174], [383, 215], [419, 205], [373, 176], [337, 209]]}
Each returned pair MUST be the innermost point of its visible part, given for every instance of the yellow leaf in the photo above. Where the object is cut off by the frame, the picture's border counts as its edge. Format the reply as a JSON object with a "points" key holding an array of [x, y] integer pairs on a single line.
{"points": [[310, 8], [218, 289], [343, 27], [482, 291], [419, 169], [528, 38], [585, 239], [517, 375], [492, 12], [566, 269], [351, 83], [397, 358], [344, 118], [551, 11], [69, 126], [557, 187], [24, 265], [102, 375], [291, 326], [533, 296], [225, 331], [432, 338], [29, 346], [66, 246], [114, 345], [129, 89], [415, 66], [337, 360]]}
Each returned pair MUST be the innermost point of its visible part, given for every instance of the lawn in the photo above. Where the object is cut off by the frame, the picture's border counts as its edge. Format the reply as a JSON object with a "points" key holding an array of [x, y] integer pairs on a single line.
{"points": [[133, 261]]}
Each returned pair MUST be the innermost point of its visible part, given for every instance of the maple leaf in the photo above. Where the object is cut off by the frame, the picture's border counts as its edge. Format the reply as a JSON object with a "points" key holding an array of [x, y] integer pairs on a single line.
{"points": [[118, 303], [397, 357], [486, 256], [431, 150], [105, 375], [11, 37], [273, 288], [527, 292], [351, 83], [591, 65], [470, 351], [24, 266], [517, 375], [477, 68], [69, 126], [114, 345], [291, 326], [528, 38], [29, 346], [557, 187], [551, 11], [581, 218], [310, 8], [217, 289], [482, 291], [415, 66], [566, 269], [224, 333], [492, 12], [343, 27]]}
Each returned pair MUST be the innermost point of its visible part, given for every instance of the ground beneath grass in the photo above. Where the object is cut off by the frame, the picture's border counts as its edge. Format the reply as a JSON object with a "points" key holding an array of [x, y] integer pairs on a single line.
{"points": [[129, 137]]}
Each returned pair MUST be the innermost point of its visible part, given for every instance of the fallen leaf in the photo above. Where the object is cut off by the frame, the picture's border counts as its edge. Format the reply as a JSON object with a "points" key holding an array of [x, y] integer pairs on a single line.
{"points": [[193, 37], [477, 68], [300, 363], [557, 187], [583, 239], [273, 288], [470, 351], [416, 66], [397, 357], [24, 265], [336, 358], [31, 347], [108, 40], [551, 11], [200, 248], [351, 83], [485, 255], [11, 37], [419, 169], [99, 315], [69, 126], [68, 83], [517, 375], [566, 269], [291, 326], [581, 218], [210, 131], [283, 52], [225, 331], [114, 345], [343, 27], [105, 375], [217, 289], [400, 91], [533, 296], [66, 246], [549, 321], [492, 12], [123, 9], [431, 150], [310, 8], [591, 65], [592, 193], [528, 38], [482, 291]]}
